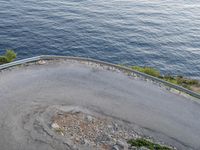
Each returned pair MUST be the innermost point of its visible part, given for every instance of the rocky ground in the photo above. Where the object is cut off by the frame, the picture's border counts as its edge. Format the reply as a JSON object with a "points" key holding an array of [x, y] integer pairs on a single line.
{"points": [[93, 132]]}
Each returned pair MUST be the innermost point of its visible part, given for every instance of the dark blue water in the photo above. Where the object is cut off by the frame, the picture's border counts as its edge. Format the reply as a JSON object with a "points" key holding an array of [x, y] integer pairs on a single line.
{"points": [[164, 34]]}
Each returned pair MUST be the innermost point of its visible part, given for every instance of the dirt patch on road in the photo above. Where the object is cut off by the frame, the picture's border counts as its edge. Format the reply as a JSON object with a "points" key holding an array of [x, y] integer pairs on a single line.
{"points": [[93, 132]]}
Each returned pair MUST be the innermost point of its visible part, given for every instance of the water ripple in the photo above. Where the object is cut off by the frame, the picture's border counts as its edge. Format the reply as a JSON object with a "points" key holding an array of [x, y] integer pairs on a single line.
{"points": [[161, 34]]}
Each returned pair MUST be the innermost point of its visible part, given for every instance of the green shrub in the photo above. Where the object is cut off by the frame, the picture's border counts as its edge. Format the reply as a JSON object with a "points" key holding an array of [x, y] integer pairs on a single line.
{"points": [[145, 143], [147, 70], [169, 79], [187, 81], [3, 60], [9, 56]]}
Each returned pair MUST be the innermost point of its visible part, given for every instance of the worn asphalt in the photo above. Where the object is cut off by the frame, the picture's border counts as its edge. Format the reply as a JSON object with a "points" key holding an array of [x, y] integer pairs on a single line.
{"points": [[29, 94]]}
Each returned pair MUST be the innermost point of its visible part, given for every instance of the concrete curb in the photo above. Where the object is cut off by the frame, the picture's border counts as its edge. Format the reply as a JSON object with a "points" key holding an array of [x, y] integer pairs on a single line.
{"points": [[53, 57]]}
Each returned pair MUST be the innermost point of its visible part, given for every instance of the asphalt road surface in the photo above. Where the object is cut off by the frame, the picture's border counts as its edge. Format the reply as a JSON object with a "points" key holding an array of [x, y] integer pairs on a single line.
{"points": [[29, 94]]}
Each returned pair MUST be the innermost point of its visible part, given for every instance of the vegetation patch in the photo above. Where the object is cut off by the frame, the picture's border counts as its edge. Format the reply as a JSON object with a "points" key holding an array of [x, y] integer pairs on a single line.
{"points": [[190, 84], [147, 70], [9, 56], [138, 143], [182, 81]]}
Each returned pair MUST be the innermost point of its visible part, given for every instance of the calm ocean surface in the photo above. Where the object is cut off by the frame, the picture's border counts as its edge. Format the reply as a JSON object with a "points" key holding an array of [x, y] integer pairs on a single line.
{"points": [[164, 34]]}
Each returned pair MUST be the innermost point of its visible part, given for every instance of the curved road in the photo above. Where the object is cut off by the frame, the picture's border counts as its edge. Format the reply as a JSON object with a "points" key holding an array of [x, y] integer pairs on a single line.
{"points": [[28, 94]]}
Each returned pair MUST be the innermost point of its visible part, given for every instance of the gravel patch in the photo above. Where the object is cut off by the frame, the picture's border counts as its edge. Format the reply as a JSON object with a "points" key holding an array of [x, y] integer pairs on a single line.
{"points": [[87, 131], [93, 132]]}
